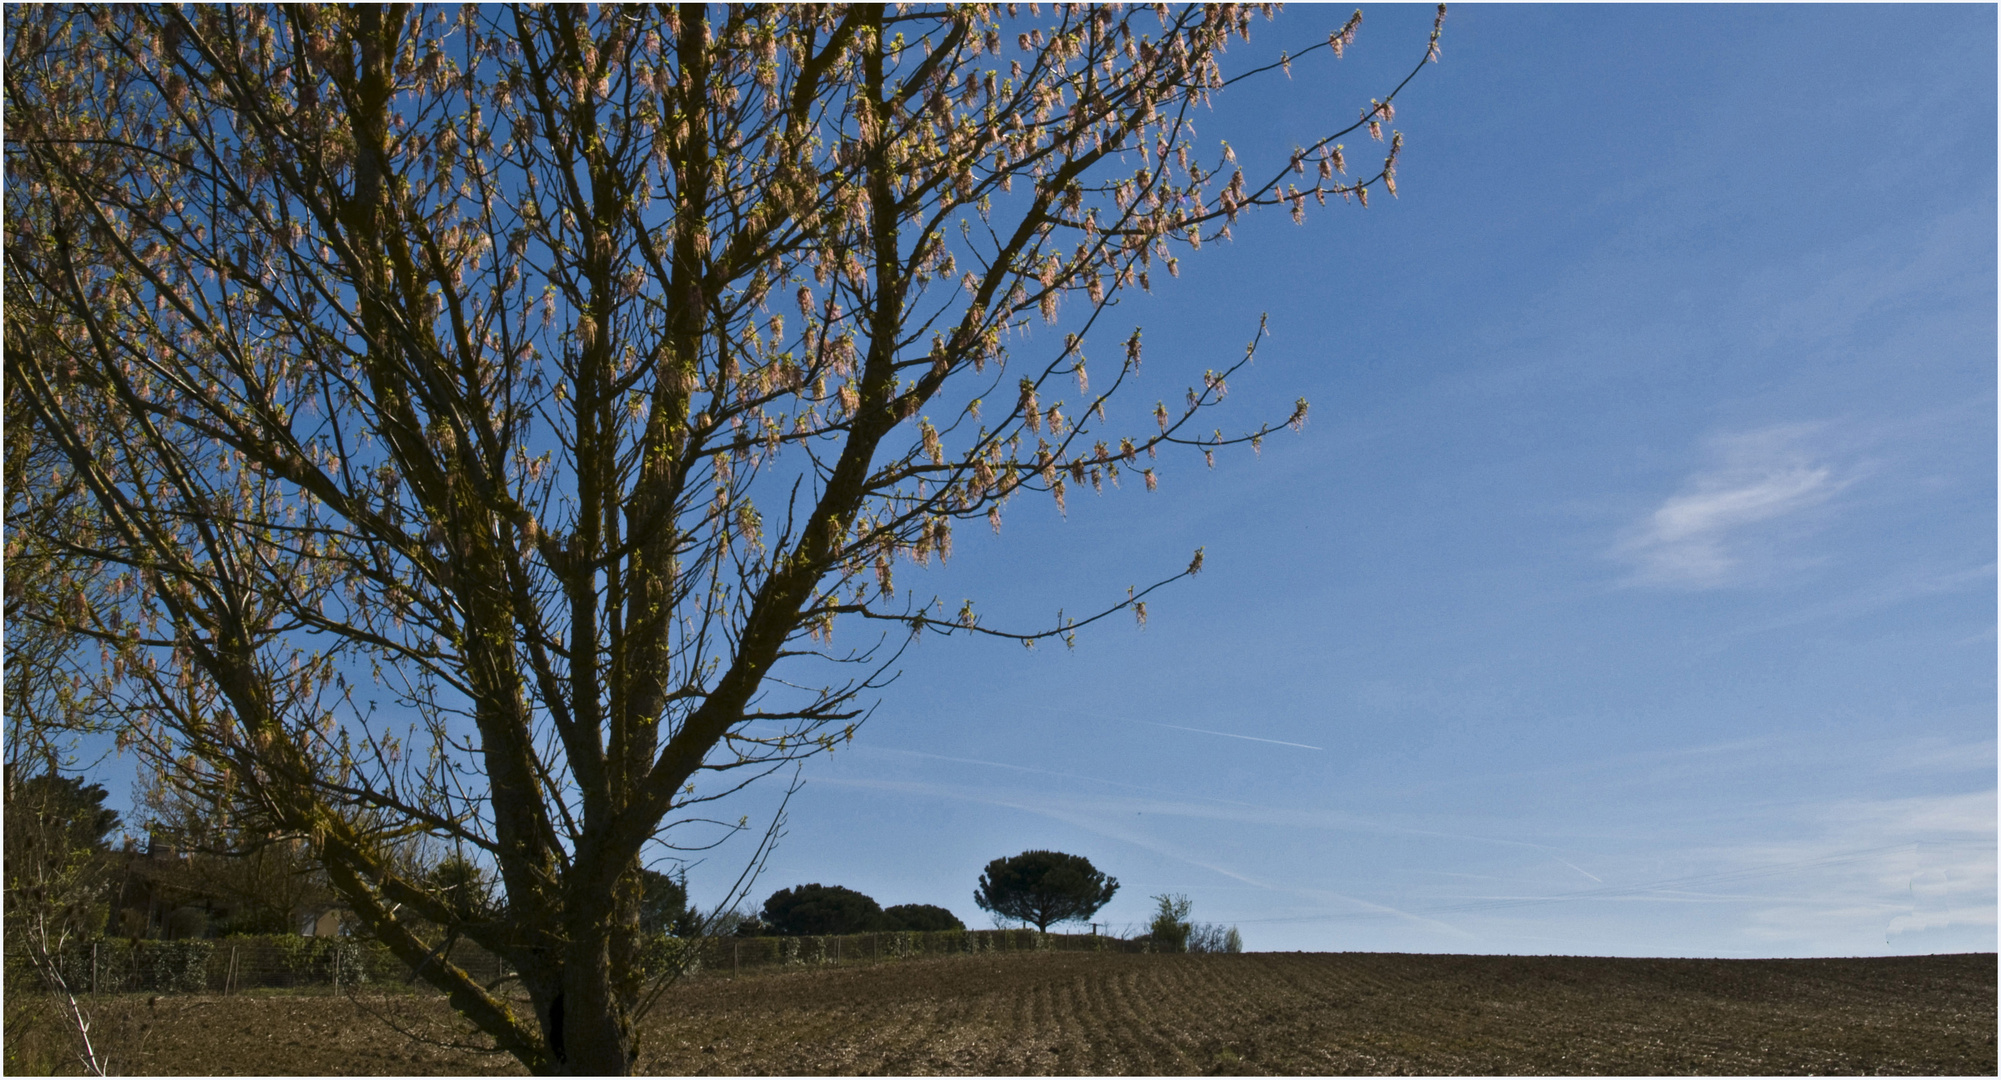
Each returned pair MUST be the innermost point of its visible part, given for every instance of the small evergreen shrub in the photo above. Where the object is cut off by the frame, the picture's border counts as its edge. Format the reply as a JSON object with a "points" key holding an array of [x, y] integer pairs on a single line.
{"points": [[1170, 929]]}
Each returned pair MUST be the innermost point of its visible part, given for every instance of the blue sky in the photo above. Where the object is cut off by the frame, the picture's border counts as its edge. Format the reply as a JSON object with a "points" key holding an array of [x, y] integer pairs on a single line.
{"points": [[1631, 590]]}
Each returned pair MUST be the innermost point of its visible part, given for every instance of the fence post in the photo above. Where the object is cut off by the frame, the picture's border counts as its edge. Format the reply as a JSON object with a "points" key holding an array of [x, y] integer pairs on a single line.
{"points": [[736, 957], [93, 967]]}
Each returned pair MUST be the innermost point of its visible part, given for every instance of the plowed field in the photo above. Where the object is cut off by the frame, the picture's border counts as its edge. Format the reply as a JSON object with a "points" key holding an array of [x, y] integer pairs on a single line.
{"points": [[1069, 1013]]}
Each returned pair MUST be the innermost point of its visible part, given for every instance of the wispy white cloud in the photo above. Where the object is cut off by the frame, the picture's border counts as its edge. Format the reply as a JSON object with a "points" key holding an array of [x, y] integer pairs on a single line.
{"points": [[1928, 864], [1696, 537], [1920, 584]]}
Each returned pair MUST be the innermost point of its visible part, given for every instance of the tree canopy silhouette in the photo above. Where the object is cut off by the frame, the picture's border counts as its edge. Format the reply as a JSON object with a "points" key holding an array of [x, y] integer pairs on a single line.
{"points": [[821, 909], [489, 416], [922, 917], [1044, 887]]}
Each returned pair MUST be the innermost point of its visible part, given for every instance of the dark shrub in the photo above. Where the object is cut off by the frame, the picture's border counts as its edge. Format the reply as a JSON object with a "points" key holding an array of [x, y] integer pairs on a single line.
{"points": [[1170, 929], [821, 909], [922, 917], [663, 904]]}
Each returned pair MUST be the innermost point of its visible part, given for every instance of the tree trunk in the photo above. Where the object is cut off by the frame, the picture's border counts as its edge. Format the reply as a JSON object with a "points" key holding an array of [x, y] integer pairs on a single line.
{"points": [[586, 1023]]}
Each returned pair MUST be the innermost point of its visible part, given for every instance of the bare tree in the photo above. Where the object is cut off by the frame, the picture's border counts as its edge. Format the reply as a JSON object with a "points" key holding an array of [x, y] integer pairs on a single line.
{"points": [[489, 415]]}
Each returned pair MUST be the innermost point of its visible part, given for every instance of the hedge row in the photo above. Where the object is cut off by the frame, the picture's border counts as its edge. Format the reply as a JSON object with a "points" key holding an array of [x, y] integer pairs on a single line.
{"points": [[250, 961], [238, 962], [727, 954]]}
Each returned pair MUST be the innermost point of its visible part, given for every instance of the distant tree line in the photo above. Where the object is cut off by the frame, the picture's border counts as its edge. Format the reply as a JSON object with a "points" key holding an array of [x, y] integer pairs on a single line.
{"points": [[195, 877], [834, 909], [1038, 887]]}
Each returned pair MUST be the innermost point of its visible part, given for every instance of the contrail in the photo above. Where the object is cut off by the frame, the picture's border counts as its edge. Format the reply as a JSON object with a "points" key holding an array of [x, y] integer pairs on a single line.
{"points": [[1580, 870], [1230, 735]]}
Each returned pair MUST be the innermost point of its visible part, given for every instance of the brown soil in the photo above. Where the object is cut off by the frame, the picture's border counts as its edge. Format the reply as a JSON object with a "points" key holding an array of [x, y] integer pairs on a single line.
{"points": [[1285, 1013]]}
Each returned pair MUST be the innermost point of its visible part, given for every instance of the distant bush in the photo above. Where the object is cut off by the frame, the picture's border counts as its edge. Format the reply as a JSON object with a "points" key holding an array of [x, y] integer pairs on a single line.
{"points": [[179, 966], [1170, 928], [1214, 938], [175, 966], [663, 905], [927, 918], [662, 954], [733, 922], [337, 959], [821, 909]]}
